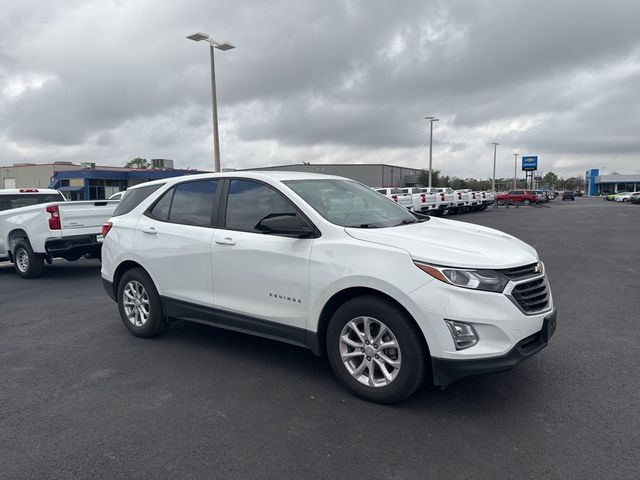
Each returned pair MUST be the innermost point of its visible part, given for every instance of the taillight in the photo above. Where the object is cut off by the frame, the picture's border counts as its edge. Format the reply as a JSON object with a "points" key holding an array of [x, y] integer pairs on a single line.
{"points": [[54, 219], [484, 195], [394, 198], [474, 195], [424, 198], [106, 228], [28, 190], [442, 197], [459, 196]]}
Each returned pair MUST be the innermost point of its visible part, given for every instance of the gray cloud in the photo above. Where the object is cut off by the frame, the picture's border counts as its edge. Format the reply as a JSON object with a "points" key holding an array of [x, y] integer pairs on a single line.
{"points": [[336, 81]]}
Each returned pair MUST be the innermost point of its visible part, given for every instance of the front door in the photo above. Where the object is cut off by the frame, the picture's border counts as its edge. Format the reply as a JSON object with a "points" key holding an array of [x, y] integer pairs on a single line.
{"points": [[264, 276]]}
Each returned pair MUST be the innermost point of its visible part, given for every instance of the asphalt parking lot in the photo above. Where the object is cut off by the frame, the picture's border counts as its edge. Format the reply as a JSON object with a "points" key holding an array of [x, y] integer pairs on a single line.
{"points": [[82, 398]]}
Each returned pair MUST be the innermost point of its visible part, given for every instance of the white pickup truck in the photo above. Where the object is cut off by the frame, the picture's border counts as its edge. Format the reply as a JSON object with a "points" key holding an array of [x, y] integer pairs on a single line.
{"points": [[397, 195], [422, 200], [37, 225]]}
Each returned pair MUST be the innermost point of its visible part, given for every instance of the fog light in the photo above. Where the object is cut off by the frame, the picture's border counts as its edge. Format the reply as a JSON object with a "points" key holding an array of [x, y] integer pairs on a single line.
{"points": [[464, 336]]}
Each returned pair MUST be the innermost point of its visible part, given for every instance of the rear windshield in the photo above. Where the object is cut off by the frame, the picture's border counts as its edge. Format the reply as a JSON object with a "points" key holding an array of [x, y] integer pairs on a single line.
{"points": [[134, 197], [7, 202]]}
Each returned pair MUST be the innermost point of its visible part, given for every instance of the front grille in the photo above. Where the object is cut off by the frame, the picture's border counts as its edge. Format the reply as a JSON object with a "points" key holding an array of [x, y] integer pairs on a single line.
{"points": [[532, 296], [520, 272]]}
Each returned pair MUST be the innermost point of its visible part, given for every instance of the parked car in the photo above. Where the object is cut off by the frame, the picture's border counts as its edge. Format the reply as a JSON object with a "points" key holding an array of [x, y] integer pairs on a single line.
{"points": [[37, 225], [447, 200], [543, 196], [577, 193], [398, 196], [624, 197], [635, 198], [525, 197], [612, 196], [325, 263], [568, 195]]}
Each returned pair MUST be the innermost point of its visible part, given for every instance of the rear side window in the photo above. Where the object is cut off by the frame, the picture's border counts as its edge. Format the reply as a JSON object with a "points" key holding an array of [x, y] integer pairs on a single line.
{"points": [[249, 202], [134, 197], [160, 210], [193, 203], [8, 202]]}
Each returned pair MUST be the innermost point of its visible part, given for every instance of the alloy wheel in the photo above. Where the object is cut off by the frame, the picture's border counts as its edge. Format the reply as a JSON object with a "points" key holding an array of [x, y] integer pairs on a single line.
{"points": [[135, 300], [370, 352]]}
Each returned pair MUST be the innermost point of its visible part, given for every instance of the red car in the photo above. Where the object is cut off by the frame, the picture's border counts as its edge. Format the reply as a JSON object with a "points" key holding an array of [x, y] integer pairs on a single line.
{"points": [[525, 197]]}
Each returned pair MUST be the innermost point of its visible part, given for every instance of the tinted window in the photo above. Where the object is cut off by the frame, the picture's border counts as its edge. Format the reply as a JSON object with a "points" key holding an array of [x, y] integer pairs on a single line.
{"points": [[249, 202], [194, 202], [7, 202], [160, 210], [133, 198]]}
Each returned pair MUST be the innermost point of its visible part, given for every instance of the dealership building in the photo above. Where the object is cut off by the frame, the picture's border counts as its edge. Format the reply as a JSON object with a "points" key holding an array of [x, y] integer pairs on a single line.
{"points": [[603, 184], [85, 181], [372, 174]]}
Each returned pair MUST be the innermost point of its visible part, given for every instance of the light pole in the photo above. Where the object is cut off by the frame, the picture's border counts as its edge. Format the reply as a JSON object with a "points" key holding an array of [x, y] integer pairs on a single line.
{"points": [[515, 170], [493, 182], [197, 37], [430, 120]]}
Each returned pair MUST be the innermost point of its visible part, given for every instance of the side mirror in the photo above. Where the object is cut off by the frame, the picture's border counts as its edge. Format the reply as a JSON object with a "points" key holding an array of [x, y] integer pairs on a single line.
{"points": [[284, 224]]}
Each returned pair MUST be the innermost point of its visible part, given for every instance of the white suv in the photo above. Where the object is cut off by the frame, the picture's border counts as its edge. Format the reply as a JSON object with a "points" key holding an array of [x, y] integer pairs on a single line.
{"points": [[327, 263]]}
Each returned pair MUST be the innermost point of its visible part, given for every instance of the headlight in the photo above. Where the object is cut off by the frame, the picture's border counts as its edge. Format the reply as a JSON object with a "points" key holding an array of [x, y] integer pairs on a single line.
{"points": [[487, 280]]}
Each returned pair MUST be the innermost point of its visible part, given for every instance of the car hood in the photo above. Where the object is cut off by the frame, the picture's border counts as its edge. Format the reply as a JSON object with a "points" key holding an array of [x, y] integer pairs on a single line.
{"points": [[452, 243]]}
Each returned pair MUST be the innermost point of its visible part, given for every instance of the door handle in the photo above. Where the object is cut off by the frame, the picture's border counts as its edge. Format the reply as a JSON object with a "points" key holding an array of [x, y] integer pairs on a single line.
{"points": [[151, 230], [225, 241]]}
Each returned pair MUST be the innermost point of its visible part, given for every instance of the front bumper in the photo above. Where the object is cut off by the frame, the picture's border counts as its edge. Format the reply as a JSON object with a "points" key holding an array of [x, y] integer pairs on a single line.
{"points": [[447, 371]]}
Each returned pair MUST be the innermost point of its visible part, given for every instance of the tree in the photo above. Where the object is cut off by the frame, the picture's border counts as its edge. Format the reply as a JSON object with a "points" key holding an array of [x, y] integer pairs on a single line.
{"points": [[423, 178], [550, 179], [138, 163]]}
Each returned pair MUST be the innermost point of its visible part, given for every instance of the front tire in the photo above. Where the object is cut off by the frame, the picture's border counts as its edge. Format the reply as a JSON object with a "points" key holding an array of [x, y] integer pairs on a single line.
{"points": [[526, 202], [139, 304], [27, 263], [376, 350]]}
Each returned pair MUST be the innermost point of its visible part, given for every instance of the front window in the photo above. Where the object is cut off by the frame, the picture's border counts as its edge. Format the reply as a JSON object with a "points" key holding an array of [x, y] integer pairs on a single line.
{"points": [[350, 204]]}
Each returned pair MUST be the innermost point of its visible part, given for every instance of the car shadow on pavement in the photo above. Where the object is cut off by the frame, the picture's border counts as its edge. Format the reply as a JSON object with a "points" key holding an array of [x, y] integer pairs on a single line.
{"points": [[481, 395], [59, 269]]}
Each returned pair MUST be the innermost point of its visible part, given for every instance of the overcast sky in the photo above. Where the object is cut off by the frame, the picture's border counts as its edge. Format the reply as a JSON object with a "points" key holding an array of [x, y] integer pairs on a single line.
{"points": [[345, 81]]}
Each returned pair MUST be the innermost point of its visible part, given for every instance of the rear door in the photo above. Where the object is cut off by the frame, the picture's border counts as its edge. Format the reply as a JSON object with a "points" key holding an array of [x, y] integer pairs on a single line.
{"points": [[175, 235], [259, 275]]}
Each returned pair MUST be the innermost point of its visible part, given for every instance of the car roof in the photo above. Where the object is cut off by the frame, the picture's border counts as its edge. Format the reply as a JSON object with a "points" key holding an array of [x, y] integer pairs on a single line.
{"points": [[279, 175]]}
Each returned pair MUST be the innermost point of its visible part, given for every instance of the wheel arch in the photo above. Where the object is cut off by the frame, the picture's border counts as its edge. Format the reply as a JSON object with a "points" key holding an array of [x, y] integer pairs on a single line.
{"points": [[13, 237], [123, 268], [338, 299]]}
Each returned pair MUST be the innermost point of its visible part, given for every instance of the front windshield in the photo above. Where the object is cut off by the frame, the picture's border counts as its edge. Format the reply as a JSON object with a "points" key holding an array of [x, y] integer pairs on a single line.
{"points": [[351, 204]]}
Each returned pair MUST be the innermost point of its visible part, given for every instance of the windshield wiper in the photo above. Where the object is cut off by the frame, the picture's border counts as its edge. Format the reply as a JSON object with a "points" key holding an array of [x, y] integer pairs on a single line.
{"points": [[406, 221], [363, 225]]}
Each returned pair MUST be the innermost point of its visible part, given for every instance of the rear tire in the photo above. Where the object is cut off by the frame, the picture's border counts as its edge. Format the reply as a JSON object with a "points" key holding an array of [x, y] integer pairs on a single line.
{"points": [[526, 202], [356, 353], [139, 304], [27, 263]]}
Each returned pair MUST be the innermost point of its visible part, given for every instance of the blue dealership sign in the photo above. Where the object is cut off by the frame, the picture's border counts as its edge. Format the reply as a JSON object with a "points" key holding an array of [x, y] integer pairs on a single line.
{"points": [[530, 163]]}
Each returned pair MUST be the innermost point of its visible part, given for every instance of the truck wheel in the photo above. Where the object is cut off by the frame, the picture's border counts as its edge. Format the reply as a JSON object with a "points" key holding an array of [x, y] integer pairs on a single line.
{"points": [[376, 350], [27, 263], [139, 304]]}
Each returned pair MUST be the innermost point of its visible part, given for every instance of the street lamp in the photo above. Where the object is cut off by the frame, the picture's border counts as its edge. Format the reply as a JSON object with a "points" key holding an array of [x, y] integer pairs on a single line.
{"points": [[515, 170], [430, 120], [198, 37], [493, 182]]}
